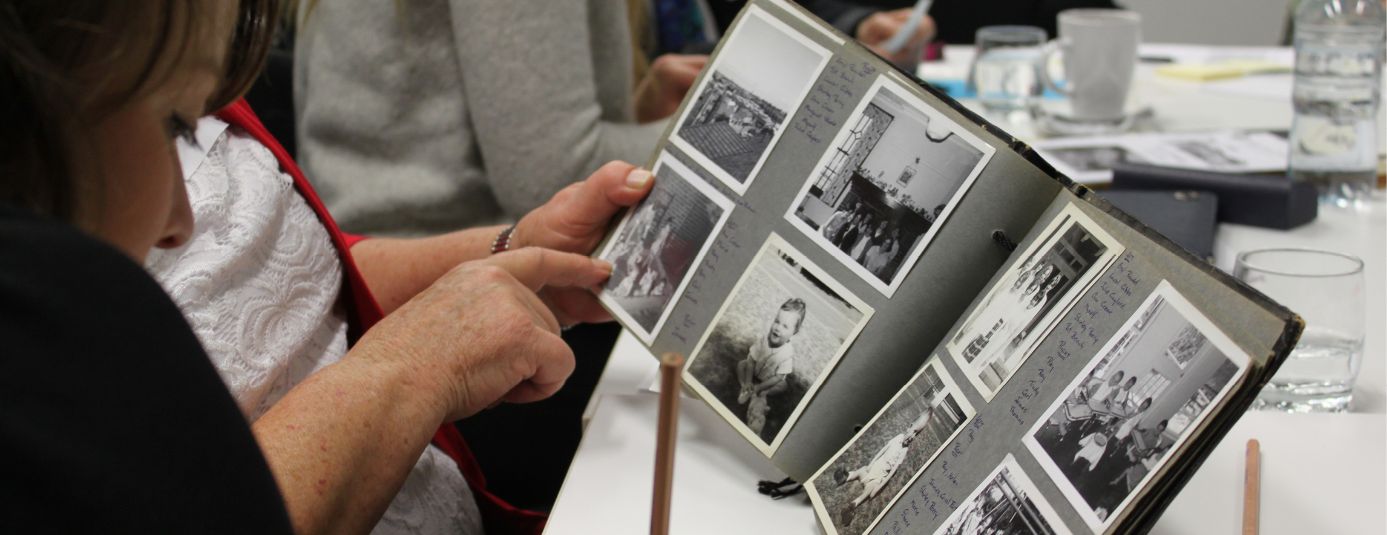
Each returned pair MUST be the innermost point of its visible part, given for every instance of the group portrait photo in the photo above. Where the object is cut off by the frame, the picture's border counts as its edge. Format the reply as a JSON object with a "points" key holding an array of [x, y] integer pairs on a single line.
{"points": [[1007, 325], [891, 176]]}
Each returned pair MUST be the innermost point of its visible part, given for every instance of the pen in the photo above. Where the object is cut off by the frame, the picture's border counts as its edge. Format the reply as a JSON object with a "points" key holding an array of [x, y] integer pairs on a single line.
{"points": [[897, 41]]}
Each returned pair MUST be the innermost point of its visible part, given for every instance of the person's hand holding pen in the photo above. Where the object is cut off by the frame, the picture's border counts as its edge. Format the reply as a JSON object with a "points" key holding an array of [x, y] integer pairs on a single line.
{"points": [[877, 29]]}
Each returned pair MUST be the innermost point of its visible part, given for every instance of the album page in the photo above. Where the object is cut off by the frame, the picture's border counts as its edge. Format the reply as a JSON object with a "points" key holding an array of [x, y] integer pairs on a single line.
{"points": [[818, 222], [1073, 396]]}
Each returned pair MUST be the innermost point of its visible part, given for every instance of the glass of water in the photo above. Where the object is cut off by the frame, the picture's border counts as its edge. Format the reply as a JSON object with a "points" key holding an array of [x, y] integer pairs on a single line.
{"points": [[1005, 74], [1326, 289]]}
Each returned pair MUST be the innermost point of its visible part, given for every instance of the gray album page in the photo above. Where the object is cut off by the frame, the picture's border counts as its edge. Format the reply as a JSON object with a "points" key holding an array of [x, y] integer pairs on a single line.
{"points": [[930, 188], [1070, 431]]}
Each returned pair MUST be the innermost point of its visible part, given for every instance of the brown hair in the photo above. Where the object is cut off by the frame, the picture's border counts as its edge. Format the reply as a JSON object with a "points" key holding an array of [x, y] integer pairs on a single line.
{"points": [[66, 64]]}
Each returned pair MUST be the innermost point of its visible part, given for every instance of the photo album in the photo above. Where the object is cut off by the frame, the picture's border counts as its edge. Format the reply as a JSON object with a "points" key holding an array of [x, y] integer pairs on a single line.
{"points": [[913, 313]]}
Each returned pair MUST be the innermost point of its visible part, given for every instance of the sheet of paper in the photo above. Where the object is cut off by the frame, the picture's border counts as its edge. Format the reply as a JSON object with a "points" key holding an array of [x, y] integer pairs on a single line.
{"points": [[1090, 159]]}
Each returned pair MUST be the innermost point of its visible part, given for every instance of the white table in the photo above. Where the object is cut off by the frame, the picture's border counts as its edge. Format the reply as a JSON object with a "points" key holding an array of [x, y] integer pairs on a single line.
{"points": [[1260, 102], [1321, 473]]}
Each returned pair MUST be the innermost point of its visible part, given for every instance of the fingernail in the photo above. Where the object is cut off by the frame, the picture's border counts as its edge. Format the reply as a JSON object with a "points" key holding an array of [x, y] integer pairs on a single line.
{"points": [[602, 264], [637, 178]]}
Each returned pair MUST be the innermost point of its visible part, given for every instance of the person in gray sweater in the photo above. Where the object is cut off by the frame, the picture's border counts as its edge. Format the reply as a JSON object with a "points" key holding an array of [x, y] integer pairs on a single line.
{"points": [[426, 116]]}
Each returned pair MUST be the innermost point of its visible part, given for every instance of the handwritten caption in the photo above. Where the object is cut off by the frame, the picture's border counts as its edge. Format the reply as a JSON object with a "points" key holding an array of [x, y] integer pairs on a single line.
{"points": [[723, 245], [829, 97]]}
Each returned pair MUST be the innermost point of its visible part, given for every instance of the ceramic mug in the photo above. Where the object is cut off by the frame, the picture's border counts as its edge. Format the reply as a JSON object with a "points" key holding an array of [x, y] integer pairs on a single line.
{"points": [[1098, 48]]}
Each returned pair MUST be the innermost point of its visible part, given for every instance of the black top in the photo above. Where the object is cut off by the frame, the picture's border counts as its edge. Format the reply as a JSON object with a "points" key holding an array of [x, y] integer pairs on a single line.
{"points": [[958, 20], [841, 14], [112, 419]]}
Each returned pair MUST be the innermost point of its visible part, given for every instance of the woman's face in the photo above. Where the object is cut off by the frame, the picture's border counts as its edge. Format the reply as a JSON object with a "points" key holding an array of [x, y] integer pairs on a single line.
{"points": [[144, 203]]}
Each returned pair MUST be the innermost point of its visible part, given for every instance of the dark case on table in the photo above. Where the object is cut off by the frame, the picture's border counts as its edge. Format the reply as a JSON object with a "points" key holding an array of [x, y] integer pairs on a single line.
{"points": [[1262, 200], [1188, 218]]}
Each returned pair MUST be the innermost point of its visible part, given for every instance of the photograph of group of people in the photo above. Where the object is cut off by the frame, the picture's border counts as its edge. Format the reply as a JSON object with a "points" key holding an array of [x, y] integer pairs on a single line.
{"points": [[773, 341], [1146, 392], [1006, 503], [1007, 325], [743, 103], [861, 482], [894, 171], [659, 243]]}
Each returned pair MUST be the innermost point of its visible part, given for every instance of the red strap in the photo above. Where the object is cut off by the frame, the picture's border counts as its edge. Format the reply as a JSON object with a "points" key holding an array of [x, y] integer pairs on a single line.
{"points": [[498, 516]]}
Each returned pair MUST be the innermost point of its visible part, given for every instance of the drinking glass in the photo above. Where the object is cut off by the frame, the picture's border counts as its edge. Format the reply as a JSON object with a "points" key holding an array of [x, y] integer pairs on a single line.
{"points": [[1005, 73], [1326, 289]]}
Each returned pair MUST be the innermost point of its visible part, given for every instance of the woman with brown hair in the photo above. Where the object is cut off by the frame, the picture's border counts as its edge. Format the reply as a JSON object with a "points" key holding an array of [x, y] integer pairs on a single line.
{"points": [[112, 418]]}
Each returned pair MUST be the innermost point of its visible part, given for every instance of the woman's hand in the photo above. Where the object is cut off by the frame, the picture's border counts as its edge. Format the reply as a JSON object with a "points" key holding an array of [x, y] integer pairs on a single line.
{"points": [[480, 335], [342, 442], [671, 76], [879, 27], [574, 221]]}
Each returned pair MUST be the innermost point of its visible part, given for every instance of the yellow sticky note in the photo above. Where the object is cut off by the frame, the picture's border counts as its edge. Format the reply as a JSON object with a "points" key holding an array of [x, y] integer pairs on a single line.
{"points": [[1203, 72]]}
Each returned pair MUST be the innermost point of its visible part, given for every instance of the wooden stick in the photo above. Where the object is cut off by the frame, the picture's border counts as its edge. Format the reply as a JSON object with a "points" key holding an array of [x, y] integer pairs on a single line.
{"points": [[1252, 488], [666, 433]]}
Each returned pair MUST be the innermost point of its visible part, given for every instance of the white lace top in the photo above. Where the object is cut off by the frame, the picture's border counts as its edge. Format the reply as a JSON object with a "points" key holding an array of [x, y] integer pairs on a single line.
{"points": [[259, 282]]}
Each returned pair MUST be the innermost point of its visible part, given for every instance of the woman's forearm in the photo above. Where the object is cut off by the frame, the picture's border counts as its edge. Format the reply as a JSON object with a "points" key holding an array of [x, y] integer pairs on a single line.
{"points": [[341, 443], [397, 269]]}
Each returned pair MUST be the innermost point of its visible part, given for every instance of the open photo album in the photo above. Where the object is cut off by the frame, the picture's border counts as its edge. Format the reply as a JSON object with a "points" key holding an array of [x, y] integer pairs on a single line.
{"points": [[915, 315]]}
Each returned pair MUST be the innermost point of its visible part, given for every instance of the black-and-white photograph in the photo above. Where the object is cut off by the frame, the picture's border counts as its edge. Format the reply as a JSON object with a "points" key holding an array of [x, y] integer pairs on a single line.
{"points": [[747, 96], [893, 173], [1139, 400], [659, 244], [868, 475], [1007, 325], [1006, 503], [778, 334], [1096, 158]]}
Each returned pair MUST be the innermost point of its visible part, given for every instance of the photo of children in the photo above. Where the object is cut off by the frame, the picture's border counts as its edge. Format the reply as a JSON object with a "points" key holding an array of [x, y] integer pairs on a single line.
{"points": [[658, 245], [1144, 394]]}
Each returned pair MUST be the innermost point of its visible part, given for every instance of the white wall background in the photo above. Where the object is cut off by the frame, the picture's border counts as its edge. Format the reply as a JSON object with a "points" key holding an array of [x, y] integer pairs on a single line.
{"points": [[1211, 22]]}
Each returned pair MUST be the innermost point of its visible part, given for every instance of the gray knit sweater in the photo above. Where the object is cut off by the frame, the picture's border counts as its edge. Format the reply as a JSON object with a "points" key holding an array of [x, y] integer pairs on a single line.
{"points": [[423, 116]]}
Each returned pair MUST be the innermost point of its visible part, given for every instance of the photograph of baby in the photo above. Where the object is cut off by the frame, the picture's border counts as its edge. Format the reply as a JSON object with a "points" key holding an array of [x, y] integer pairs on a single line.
{"points": [[775, 338], [747, 96], [1146, 393], [891, 176], [657, 246], [1006, 503], [867, 476], [1007, 325]]}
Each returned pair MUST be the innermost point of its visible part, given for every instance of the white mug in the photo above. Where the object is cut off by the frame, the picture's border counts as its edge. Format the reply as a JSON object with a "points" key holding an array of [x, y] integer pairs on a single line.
{"points": [[1099, 51]]}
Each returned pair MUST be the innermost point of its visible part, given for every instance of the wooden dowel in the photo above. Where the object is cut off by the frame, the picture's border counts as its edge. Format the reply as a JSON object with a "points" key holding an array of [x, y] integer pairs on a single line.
{"points": [[1252, 488], [671, 364]]}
